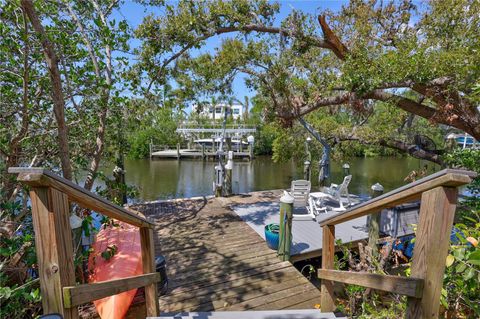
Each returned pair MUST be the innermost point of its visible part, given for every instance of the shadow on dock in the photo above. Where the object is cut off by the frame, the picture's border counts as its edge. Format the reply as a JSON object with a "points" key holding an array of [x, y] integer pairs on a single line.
{"points": [[215, 261]]}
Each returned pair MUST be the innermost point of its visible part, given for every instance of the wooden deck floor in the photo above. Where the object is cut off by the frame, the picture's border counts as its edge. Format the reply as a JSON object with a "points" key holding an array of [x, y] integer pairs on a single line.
{"points": [[215, 261]]}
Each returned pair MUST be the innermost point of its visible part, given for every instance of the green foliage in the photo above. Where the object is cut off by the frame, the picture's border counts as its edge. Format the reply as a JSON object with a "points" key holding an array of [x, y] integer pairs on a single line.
{"points": [[109, 252], [264, 139], [462, 277], [152, 121], [19, 302], [19, 292], [461, 288]]}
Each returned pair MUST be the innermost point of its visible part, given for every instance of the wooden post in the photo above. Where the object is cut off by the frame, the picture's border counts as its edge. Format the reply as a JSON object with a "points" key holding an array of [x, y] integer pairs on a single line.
{"points": [[203, 151], [435, 223], [213, 146], [148, 261], [374, 222], [53, 237], [240, 146], [327, 299], [178, 150], [229, 175], [285, 231], [306, 170]]}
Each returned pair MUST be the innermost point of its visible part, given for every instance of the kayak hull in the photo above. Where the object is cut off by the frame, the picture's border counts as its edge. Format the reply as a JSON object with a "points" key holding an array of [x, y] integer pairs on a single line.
{"points": [[124, 260]]}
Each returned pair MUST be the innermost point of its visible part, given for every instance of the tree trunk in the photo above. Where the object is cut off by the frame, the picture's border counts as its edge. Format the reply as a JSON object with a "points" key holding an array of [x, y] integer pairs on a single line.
{"points": [[105, 100], [57, 94]]}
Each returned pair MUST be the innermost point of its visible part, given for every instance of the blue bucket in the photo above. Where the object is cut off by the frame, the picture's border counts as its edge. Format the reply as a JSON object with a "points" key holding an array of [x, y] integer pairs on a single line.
{"points": [[272, 235]]}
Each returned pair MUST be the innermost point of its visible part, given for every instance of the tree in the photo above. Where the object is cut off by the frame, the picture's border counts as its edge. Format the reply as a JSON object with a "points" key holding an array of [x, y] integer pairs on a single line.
{"points": [[415, 60], [57, 93], [86, 39]]}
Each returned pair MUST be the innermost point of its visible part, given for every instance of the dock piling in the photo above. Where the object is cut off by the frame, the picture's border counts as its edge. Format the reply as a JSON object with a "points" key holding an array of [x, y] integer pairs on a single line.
{"points": [[374, 221], [285, 232], [229, 175]]}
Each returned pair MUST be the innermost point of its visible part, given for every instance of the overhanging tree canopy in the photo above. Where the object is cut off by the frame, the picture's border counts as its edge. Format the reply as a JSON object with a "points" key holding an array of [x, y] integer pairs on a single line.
{"points": [[422, 60]]}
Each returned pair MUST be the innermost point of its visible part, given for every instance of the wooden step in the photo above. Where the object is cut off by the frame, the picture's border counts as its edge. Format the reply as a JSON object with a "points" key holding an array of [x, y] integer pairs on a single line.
{"points": [[275, 314]]}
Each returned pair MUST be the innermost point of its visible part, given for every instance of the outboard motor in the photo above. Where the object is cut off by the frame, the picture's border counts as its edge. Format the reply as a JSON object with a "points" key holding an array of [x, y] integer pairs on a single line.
{"points": [[161, 267]]}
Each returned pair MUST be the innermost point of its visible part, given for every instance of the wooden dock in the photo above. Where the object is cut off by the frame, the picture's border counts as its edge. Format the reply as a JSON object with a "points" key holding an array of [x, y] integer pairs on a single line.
{"points": [[215, 261]]}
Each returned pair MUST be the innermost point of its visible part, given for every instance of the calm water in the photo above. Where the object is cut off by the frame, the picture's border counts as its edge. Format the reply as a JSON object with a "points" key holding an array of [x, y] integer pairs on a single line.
{"points": [[162, 179]]}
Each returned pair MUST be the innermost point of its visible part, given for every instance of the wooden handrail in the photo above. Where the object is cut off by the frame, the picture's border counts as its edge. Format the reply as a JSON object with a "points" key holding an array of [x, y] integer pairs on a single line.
{"points": [[407, 286], [438, 194], [51, 196], [81, 294], [404, 194], [43, 177]]}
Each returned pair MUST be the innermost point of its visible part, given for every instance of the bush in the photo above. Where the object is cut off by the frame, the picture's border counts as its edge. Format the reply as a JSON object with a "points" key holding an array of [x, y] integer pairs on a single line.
{"points": [[461, 289]]}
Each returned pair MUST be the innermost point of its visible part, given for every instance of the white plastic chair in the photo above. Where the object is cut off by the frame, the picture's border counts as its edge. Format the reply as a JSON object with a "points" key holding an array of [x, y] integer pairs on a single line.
{"points": [[300, 191], [333, 194]]}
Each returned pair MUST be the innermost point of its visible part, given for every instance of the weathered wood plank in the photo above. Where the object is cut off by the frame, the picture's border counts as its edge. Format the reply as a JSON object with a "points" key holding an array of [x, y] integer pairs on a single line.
{"points": [[290, 301], [407, 193], [237, 300], [198, 279], [283, 314], [307, 303], [229, 290], [327, 302], [212, 258], [81, 294], [39, 177], [53, 237], [224, 262], [435, 223], [407, 286], [148, 263], [268, 296]]}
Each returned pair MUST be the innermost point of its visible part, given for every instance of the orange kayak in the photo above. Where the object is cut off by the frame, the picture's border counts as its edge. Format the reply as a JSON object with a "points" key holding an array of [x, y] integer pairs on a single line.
{"points": [[121, 258]]}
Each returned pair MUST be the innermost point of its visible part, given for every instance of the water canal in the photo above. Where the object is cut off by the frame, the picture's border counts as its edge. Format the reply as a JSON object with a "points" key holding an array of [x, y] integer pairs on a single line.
{"points": [[164, 179]]}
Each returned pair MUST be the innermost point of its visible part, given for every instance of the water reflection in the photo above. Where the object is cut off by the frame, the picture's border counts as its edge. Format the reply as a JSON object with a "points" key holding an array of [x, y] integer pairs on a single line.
{"points": [[161, 179]]}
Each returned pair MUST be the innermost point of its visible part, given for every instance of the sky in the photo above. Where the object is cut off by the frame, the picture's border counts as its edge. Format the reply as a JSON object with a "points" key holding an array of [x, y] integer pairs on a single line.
{"points": [[134, 14]]}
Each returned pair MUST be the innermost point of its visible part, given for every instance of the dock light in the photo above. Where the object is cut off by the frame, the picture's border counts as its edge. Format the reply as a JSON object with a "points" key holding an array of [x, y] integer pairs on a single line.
{"points": [[250, 140], [346, 169], [377, 189], [309, 139]]}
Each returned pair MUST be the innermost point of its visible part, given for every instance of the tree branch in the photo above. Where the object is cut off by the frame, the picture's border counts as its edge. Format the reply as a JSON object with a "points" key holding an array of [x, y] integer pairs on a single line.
{"points": [[315, 41], [331, 39]]}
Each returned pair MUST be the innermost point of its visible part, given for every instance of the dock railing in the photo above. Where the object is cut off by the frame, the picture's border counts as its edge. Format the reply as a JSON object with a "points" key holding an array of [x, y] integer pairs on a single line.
{"points": [[438, 193], [51, 196]]}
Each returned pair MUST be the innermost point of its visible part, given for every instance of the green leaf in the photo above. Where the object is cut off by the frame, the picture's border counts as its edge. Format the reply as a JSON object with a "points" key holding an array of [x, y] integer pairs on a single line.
{"points": [[460, 268], [459, 253], [469, 274], [474, 262], [450, 260], [474, 255]]}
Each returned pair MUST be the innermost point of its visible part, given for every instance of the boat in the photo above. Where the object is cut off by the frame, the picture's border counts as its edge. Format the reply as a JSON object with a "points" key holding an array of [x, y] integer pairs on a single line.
{"points": [[116, 254], [464, 140]]}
